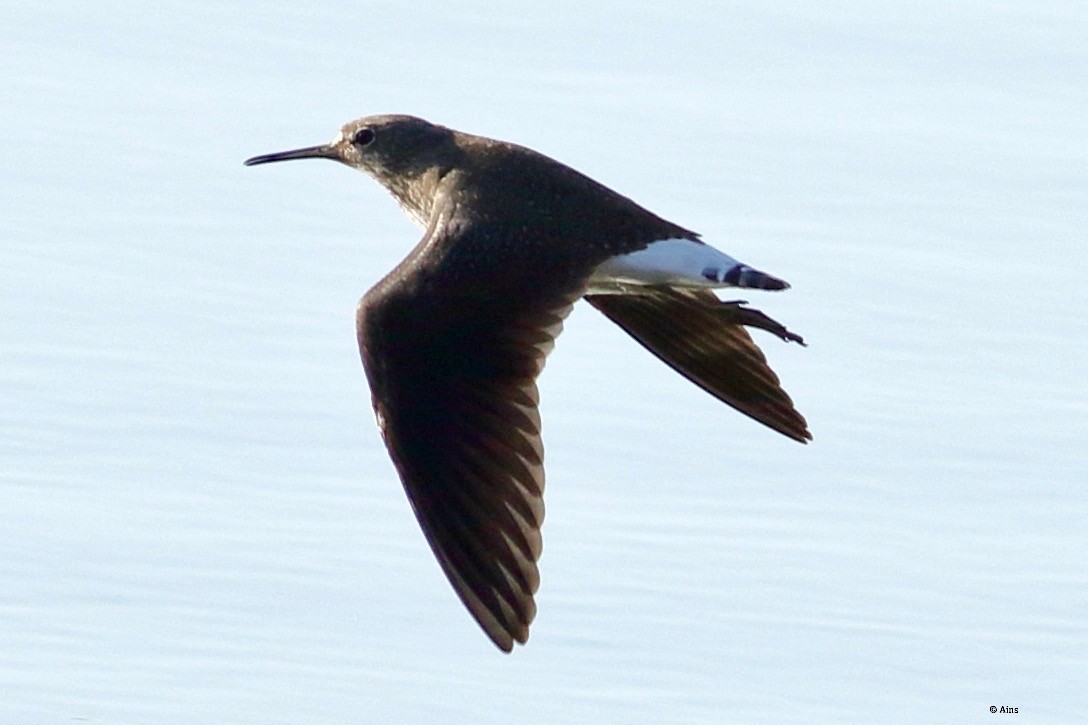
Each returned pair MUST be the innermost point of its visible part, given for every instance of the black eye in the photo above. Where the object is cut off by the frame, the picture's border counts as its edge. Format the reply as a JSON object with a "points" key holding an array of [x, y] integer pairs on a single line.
{"points": [[362, 137]]}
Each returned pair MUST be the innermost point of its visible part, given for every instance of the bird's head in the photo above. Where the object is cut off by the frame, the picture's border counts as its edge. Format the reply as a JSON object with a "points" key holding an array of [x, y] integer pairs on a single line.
{"points": [[404, 154]]}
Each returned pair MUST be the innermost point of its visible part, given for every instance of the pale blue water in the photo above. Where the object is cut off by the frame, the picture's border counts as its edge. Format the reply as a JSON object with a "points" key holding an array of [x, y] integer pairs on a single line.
{"points": [[198, 521]]}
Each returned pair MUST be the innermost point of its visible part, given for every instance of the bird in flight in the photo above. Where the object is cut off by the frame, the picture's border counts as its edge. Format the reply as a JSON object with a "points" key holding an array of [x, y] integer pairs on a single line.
{"points": [[453, 339]]}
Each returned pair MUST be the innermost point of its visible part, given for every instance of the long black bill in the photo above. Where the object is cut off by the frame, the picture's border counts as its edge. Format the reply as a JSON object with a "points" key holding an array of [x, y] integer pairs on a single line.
{"points": [[324, 151]]}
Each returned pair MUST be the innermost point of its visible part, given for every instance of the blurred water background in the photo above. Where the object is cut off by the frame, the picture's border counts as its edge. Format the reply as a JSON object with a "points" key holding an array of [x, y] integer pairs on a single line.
{"points": [[198, 522]]}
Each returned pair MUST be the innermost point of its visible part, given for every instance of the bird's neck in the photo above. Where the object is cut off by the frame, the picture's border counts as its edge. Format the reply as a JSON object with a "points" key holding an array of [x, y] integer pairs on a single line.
{"points": [[416, 193]]}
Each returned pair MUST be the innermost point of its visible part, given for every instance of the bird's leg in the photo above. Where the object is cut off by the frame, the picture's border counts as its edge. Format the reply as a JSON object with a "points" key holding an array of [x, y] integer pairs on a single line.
{"points": [[735, 313]]}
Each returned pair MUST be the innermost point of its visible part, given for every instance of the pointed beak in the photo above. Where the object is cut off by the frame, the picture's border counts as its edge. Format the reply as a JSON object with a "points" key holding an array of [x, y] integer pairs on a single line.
{"points": [[325, 151]]}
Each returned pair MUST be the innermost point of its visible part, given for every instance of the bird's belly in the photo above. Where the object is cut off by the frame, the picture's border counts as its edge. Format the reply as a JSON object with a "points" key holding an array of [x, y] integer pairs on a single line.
{"points": [[669, 262]]}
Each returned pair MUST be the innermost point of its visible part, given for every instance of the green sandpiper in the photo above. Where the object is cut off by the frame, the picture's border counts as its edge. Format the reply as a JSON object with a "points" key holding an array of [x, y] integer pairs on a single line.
{"points": [[453, 339]]}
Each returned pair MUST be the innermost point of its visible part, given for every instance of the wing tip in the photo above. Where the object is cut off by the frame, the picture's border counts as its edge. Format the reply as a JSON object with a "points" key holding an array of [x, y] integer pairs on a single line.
{"points": [[504, 639]]}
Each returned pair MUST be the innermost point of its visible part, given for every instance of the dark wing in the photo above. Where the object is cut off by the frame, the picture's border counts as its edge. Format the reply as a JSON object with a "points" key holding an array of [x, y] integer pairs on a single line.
{"points": [[703, 339], [452, 375]]}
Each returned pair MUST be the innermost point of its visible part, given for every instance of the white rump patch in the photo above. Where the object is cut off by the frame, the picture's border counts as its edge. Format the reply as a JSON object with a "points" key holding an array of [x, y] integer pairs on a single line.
{"points": [[672, 262]]}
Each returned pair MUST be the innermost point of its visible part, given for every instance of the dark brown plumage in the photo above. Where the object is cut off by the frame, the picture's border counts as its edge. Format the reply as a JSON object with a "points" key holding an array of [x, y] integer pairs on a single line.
{"points": [[453, 339]]}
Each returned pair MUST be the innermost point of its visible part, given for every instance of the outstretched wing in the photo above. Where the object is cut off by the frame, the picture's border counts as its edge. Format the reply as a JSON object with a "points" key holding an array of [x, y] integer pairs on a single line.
{"points": [[703, 339], [452, 371]]}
